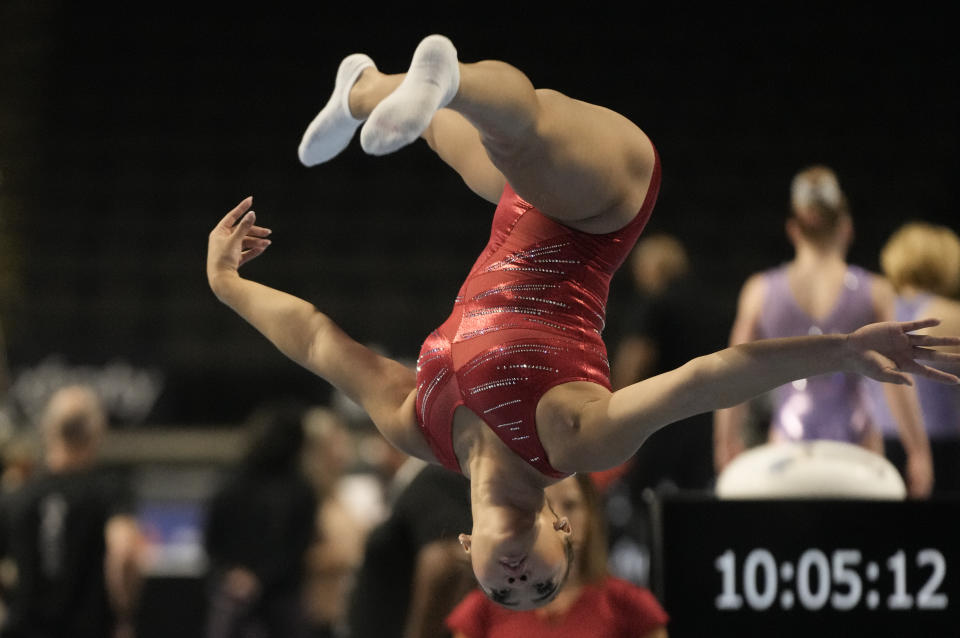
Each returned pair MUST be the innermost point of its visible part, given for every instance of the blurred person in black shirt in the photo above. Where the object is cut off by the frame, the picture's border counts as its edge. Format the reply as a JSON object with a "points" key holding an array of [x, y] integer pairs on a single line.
{"points": [[414, 571], [672, 316], [71, 534], [668, 316], [260, 524]]}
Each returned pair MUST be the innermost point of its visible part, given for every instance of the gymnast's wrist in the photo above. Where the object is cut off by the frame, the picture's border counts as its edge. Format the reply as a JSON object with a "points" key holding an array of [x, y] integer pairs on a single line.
{"points": [[849, 355], [223, 281]]}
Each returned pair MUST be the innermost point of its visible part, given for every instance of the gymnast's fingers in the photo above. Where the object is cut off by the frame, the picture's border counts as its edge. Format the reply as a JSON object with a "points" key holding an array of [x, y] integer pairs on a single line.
{"points": [[231, 218], [910, 326], [259, 231], [890, 375], [254, 242], [242, 229], [935, 375], [929, 340], [253, 253], [928, 354]]}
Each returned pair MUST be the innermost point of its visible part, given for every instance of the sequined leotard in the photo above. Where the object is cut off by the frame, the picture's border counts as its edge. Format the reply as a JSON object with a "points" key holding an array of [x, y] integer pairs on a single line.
{"points": [[527, 318]]}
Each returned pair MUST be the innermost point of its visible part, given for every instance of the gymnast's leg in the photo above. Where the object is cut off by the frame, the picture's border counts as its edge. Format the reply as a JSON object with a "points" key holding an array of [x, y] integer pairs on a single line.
{"points": [[581, 164], [360, 87]]}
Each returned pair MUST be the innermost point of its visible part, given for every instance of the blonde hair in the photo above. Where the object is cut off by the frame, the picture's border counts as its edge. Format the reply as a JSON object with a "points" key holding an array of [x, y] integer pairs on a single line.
{"points": [[924, 256], [818, 202]]}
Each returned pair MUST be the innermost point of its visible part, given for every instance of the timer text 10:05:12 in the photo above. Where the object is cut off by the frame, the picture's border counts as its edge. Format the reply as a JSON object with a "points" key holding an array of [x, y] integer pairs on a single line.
{"points": [[841, 581]]}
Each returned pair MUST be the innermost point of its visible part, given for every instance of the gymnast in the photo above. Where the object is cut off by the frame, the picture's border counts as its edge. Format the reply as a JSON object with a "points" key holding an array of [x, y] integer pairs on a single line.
{"points": [[513, 389]]}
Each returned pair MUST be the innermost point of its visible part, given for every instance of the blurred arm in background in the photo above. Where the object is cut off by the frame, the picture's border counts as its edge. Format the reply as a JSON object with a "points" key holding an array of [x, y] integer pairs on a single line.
{"points": [[123, 570], [728, 424]]}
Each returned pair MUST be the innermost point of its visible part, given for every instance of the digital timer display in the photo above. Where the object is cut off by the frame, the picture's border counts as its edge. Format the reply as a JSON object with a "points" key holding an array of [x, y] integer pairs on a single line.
{"points": [[796, 568], [841, 581]]}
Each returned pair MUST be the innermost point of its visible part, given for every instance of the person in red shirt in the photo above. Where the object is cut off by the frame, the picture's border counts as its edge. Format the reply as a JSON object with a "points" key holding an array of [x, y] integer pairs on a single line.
{"points": [[593, 603]]}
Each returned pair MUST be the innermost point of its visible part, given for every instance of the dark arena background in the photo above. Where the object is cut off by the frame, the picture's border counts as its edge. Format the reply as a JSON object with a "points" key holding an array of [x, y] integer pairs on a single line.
{"points": [[128, 130]]}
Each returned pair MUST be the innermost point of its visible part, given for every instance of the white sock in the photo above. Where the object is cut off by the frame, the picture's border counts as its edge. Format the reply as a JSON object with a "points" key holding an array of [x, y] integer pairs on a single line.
{"points": [[431, 82], [333, 128]]}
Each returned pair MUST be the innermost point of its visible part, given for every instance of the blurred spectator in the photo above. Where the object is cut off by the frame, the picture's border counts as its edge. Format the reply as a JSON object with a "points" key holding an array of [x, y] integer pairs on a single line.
{"points": [[72, 534], [671, 319], [923, 263], [4, 370], [21, 456], [656, 263], [6, 420], [328, 449], [337, 551], [382, 461], [413, 570], [260, 525], [592, 603], [365, 489], [819, 293]]}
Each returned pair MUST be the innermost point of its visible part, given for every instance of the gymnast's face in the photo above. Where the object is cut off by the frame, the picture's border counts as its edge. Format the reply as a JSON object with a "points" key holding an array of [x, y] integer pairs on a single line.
{"points": [[524, 570]]}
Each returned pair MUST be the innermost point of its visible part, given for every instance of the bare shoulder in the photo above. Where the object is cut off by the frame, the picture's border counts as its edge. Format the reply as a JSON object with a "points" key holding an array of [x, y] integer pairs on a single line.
{"points": [[949, 308], [749, 307], [948, 312], [881, 288], [883, 296], [753, 292]]}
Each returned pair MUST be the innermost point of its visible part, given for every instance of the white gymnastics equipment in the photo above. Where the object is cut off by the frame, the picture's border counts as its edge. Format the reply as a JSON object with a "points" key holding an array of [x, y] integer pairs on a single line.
{"points": [[810, 469]]}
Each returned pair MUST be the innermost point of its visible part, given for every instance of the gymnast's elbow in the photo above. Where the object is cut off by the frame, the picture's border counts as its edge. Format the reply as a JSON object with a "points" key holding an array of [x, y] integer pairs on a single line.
{"points": [[316, 346]]}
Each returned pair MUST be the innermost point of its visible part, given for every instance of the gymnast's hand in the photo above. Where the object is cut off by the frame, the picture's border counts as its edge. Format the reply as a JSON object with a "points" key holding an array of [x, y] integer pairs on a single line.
{"points": [[233, 244], [886, 352]]}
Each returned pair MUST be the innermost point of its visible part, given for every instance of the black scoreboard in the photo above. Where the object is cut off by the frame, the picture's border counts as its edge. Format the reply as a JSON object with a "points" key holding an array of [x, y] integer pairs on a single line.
{"points": [[811, 568]]}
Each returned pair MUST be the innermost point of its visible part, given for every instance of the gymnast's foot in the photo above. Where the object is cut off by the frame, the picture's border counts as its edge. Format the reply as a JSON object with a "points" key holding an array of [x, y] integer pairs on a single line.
{"points": [[333, 128], [430, 83]]}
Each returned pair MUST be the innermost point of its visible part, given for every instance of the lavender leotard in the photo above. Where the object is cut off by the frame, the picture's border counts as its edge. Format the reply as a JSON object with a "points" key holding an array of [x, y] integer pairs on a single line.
{"points": [[829, 406]]}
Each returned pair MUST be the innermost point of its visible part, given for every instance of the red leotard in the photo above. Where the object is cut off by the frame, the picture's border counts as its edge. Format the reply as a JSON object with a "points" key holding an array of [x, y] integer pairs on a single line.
{"points": [[527, 318]]}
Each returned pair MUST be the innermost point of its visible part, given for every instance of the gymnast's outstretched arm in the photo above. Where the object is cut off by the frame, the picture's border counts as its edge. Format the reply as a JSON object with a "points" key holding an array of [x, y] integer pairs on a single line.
{"points": [[608, 427], [384, 388]]}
